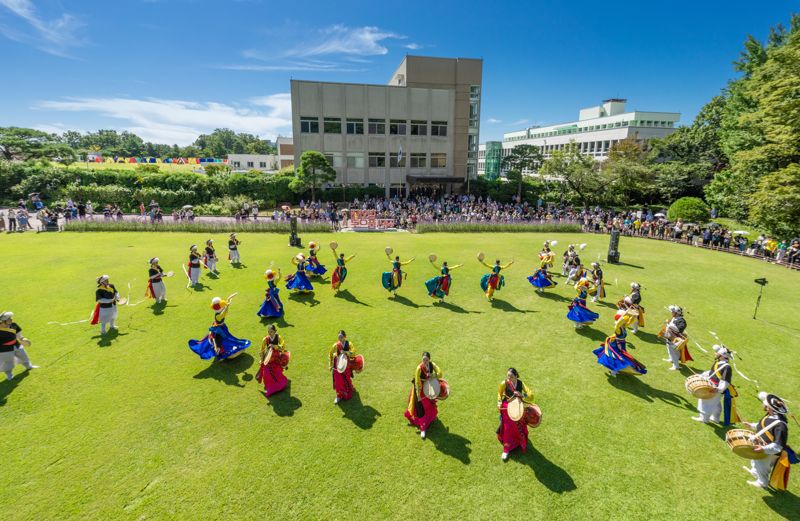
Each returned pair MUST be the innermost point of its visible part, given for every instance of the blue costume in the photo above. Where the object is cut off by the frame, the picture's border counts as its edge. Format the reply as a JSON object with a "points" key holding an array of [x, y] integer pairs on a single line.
{"points": [[272, 306], [299, 280], [613, 355], [219, 343], [392, 280], [541, 279], [313, 266], [439, 287], [578, 312]]}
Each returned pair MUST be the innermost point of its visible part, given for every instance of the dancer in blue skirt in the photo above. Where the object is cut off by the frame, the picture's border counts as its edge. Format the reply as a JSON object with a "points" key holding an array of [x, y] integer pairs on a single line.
{"points": [[541, 278], [392, 280], [439, 286], [578, 312], [613, 353], [298, 281], [272, 306], [219, 344], [313, 267]]}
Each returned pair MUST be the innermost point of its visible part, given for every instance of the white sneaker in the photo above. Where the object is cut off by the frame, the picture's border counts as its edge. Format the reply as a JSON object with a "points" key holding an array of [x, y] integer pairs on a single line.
{"points": [[33, 367], [756, 484], [667, 359], [750, 470], [673, 368], [335, 400], [701, 420], [504, 456], [422, 434]]}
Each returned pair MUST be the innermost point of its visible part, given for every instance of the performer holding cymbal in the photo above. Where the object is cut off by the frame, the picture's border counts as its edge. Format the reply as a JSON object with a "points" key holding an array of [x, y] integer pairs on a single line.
{"points": [[233, 249], [12, 346], [675, 339], [421, 410], [155, 284], [772, 433], [105, 309]]}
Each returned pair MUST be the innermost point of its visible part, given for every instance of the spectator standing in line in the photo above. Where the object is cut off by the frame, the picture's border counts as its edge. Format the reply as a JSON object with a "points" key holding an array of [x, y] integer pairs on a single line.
{"points": [[12, 220], [2, 221]]}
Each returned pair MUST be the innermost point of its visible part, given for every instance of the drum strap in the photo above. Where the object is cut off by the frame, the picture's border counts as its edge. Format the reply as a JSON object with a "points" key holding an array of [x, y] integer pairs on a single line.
{"points": [[766, 430], [718, 369]]}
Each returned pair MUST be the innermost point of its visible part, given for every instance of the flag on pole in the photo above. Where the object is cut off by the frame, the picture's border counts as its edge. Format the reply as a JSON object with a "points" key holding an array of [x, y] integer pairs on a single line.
{"points": [[400, 155]]}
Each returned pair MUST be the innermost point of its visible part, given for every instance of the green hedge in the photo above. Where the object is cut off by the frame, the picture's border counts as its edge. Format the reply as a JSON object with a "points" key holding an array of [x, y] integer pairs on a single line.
{"points": [[497, 228], [205, 227]]}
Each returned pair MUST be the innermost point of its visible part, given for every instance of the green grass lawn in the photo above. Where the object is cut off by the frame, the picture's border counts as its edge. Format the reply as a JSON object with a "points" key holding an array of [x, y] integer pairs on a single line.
{"points": [[141, 428]]}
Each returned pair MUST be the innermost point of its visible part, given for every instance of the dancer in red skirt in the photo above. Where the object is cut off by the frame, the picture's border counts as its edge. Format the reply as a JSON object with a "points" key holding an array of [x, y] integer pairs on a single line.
{"points": [[342, 381], [510, 433], [274, 360], [421, 410]]}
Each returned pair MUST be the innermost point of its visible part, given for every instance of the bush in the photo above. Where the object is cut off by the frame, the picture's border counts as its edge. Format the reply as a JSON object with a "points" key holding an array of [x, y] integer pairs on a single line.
{"points": [[689, 209], [107, 194], [497, 228], [210, 209], [263, 226]]}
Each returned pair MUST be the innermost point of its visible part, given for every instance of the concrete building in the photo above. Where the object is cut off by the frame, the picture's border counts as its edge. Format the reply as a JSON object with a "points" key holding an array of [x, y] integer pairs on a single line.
{"points": [[285, 148], [595, 132], [247, 162], [420, 130]]}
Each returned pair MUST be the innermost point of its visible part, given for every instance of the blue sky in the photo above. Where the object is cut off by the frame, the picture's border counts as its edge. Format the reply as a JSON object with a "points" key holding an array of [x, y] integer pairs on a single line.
{"points": [[171, 69]]}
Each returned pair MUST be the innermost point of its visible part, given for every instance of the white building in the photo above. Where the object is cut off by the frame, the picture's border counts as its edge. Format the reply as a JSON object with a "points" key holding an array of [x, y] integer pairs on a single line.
{"points": [[595, 132], [247, 162], [285, 148], [419, 130]]}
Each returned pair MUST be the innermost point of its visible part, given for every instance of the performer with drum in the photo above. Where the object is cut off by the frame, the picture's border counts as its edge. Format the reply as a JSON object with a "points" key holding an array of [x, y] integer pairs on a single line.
{"points": [[313, 267], [770, 438], [427, 387], [613, 353], [632, 302], [12, 346], [578, 312], [566, 264], [576, 269], [105, 309], [193, 266], [155, 283], [439, 287], [274, 361], [675, 339], [516, 413], [220, 343], [340, 271], [493, 281], [723, 397], [342, 361], [272, 305], [210, 258], [599, 285], [546, 256], [541, 278], [392, 280], [298, 281], [233, 249]]}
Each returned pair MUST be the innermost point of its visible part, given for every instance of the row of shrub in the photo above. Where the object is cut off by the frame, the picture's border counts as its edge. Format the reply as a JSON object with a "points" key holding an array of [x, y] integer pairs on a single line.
{"points": [[192, 227], [457, 227]]}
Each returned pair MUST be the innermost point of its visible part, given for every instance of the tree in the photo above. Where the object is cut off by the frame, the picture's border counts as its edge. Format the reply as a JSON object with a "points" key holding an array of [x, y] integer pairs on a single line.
{"points": [[521, 158], [689, 209], [578, 172], [314, 169], [25, 143], [776, 203]]}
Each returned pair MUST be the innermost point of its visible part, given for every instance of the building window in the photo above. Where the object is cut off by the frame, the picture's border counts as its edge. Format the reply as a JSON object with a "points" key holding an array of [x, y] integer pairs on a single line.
{"points": [[397, 127], [377, 160], [236, 164], [419, 128], [334, 159], [418, 161], [262, 164], [309, 125], [439, 128], [355, 126], [474, 91], [249, 164], [397, 161], [333, 126], [377, 126], [438, 160], [355, 160]]}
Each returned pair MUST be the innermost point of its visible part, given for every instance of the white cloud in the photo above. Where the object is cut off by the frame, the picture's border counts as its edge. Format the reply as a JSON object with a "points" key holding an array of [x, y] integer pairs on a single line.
{"points": [[179, 121], [53, 36], [340, 39], [288, 67], [493, 121], [413, 46]]}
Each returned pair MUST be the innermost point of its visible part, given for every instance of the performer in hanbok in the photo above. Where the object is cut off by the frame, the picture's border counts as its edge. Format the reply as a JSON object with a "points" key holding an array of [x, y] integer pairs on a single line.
{"points": [[298, 281], [392, 280], [722, 406], [12, 346], [575, 268], [210, 258], [439, 286], [340, 271], [272, 306], [193, 266], [512, 434], [313, 267], [633, 302], [771, 437], [578, 312], [274, 361], [233, 249], [342, 382], [105, 309], [421, 410], [541, 278], [613, 354], [566, 258], [156, 289], [546, 255], [219, 344], [494, 281], [676, 340], [599, 286]]}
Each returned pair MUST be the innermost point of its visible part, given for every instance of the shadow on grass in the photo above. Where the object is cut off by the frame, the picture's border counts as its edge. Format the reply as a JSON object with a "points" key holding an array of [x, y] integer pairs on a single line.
{"points": [[635, 386], [306, 298], [362, 416], [591, 333], [107, 339], [6, 386], [449, 443], [349, 297], [548, 473], [199, 287], [650, 338], [503, 305], [278, 321], [212, 275], [283, 403], [783, 503], [630, 265], [554, 296], [159, 307], [455, 308], [406, 302], [227, 371], [609, 305], [238, 266]]}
